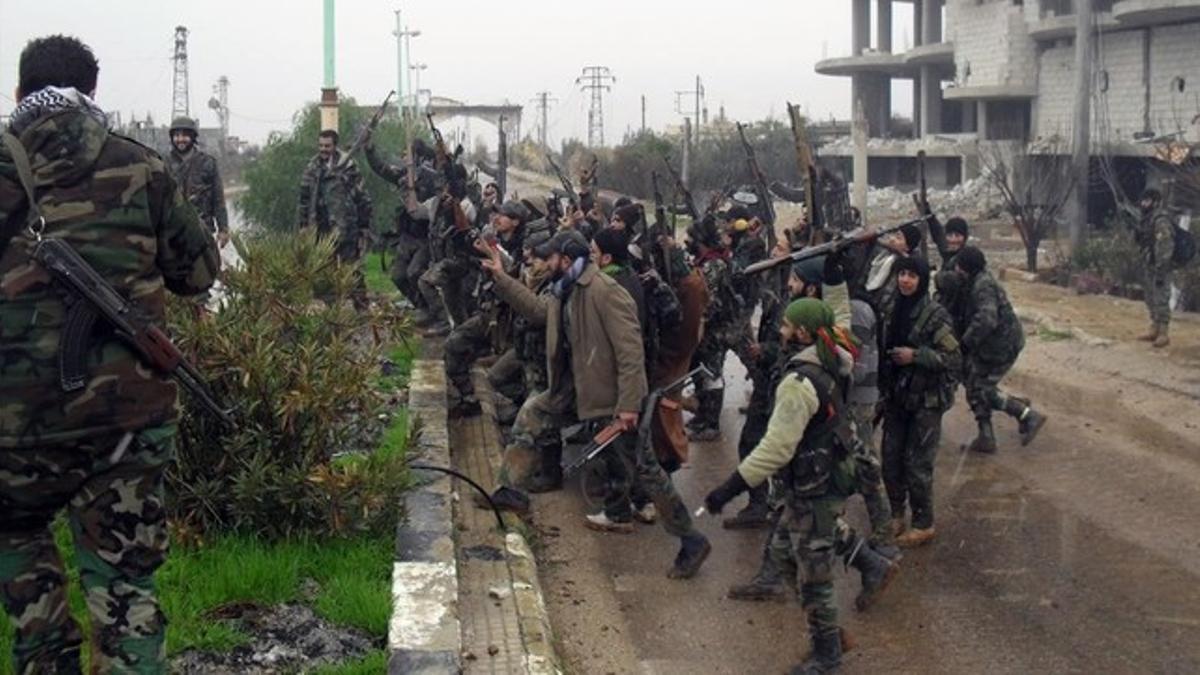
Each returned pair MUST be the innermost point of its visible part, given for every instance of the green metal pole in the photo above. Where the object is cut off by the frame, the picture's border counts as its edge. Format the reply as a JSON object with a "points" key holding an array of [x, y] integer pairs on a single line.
{"points": [[329, 45], [399, 64]]}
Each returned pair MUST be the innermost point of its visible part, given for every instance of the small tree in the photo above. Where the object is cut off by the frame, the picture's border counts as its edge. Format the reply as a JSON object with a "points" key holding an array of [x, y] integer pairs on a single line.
{"points": [[1034, 181]]}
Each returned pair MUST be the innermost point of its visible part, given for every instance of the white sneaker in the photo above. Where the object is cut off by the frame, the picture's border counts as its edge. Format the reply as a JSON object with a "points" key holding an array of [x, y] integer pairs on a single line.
{"points": [[647, 514], [601, 523]]}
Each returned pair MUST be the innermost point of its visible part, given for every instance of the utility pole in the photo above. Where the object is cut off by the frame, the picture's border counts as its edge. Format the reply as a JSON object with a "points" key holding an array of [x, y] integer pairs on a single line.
{"points": [[858, 132], [408, 35], [220, 103], [502, 159], [543, 101], [417, 68], [179, 99], [643, 113], [1083, 98], [687, 149], [595, 80], [698, 94], [399, 33], [329, 92]]}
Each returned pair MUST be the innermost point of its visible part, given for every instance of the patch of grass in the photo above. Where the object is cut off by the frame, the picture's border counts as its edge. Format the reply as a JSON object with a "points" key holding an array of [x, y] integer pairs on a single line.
{"points": [[371, 664], [378, 280], [1054, 335]]}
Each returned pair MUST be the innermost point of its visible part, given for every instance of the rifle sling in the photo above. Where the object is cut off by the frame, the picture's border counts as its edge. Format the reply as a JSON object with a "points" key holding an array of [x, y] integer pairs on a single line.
{"points": [[20, 160]]}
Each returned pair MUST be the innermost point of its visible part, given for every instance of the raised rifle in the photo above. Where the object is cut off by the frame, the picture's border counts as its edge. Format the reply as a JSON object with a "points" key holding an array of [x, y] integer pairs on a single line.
{"points": [[572, 196], [922, 202], [502, 161], [606, 436], [763, 188], [807, 168], [688, 202], [367, 129], [840, 242], [658, 230]]}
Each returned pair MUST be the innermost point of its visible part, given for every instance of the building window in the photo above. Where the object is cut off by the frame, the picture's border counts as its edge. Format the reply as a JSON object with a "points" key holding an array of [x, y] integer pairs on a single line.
{"points": [[1178, 84], [1102, 80]]}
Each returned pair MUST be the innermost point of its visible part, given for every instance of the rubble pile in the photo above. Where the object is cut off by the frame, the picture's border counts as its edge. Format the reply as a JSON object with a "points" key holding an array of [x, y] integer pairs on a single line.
{"points": [[974, 199]]}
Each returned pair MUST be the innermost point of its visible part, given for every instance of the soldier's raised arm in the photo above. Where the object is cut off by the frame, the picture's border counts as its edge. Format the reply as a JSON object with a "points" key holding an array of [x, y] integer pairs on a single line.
{"points": [[390, 172]]}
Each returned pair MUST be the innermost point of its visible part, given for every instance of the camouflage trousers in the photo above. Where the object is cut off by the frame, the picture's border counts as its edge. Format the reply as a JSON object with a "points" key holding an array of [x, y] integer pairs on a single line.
{"points": [[982, 382], [118, 524], [411, 261], [467, 342], [507, 376], [804, 546], [446, 287], [635, 475], [910, 443], [1157, 287], [868, 474], [535, 433]]}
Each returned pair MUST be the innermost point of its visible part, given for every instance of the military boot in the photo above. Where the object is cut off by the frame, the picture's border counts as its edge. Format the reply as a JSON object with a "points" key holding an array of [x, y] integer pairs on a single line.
{"points": [[826, 654], [755, 515], [550, 475], [693, 551], [708, 429], [985, 442], [767, 585], [1162, 339], [1150, 335], [877, 573], [1029, 421]]}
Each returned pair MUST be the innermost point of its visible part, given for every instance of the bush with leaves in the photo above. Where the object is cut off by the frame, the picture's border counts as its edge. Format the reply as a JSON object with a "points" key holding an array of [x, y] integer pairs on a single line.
{"points": [[302, 368], [273, 179]]}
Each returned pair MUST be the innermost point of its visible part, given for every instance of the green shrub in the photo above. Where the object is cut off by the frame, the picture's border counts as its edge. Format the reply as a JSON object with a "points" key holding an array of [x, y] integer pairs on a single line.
{"points": [[302, 368], [1114, 257], [273, 178]]}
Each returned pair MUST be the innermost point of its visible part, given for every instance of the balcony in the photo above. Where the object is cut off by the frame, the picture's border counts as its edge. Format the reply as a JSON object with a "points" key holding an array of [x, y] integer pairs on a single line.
{"points": [[998, 92], [936, 54], [1152, 12], [1059, 27], [867, 63]]}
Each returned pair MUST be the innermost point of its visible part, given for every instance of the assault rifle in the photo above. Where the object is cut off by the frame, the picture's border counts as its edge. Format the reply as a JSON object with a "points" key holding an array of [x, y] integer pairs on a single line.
{"points": [[90, 298], [840, 242], [764, 191], [922, 201], [658, 230], [688, 202], [572, 196], [365, 132], [612, 432]]}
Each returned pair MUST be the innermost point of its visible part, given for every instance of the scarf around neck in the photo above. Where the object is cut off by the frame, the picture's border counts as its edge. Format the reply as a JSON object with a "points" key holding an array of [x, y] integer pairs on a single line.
{"points": [[562, 287], [50, 100]]}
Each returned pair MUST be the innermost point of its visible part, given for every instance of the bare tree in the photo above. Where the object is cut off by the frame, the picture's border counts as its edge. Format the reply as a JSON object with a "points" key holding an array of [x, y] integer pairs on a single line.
{"points": [[1035, 181]]}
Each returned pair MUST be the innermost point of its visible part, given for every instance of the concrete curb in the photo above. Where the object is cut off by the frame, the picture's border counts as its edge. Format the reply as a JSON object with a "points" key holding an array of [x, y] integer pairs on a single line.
{"points": [[536, 632], [425, 634]]}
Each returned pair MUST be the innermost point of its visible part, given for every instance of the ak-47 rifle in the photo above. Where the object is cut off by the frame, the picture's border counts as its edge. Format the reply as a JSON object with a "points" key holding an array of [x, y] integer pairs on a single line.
{"points": [[365, 132], [658, 230], [688, 202], [807, 169], [572, 196], [840, 242], [922, 201], [441, 155], [502, 162], [613, 431], [764, 191]]}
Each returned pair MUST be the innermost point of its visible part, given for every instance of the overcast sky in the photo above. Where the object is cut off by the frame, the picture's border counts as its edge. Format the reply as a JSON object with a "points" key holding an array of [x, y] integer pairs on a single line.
{"points": [[752, 55]]}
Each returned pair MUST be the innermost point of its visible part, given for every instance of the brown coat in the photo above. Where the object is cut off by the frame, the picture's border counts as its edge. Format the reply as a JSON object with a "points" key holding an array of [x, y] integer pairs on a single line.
{"points": [[604, 341], [674, 360]]}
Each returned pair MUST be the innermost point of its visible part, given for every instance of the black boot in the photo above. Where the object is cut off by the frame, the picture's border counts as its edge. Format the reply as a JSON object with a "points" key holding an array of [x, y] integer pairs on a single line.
{"points": [[826, 654], [550, 476], [693, 551], [1029, 421], [767, 585], [877, 572], [708, 428], [755, 515], [465, 408], [985, 442]]}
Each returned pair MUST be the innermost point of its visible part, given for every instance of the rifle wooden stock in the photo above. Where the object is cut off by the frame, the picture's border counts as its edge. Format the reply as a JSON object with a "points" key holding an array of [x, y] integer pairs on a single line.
{"points": [[838, 244]]}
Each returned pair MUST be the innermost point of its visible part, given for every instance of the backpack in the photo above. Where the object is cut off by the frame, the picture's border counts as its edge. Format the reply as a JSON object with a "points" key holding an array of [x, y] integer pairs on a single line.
{"points": [[1184, 249]]}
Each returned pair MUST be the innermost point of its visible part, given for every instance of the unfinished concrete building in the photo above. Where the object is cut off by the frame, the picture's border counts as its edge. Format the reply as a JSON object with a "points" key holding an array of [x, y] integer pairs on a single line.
{"points": [[1004, 70]]}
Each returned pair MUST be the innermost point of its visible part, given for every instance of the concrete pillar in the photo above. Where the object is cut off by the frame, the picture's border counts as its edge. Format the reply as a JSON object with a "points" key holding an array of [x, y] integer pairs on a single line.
{"points": [[981, 119], [885, 106], [968, 117], [916, 102], [883, 25], [917, 14], [860, 26], [931, 21], [931, 102]]}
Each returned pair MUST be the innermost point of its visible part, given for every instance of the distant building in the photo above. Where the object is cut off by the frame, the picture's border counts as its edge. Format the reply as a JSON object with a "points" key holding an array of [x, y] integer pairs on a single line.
{"points": [[1004, 70]]}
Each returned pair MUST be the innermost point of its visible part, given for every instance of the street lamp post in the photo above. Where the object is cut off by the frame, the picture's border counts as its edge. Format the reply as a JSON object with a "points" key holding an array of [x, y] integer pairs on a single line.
{"points": [[408, 35], [417, 68]]}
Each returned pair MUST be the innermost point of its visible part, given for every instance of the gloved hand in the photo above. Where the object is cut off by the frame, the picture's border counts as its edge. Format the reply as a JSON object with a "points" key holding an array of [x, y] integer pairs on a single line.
{"points": [[725, 492]]}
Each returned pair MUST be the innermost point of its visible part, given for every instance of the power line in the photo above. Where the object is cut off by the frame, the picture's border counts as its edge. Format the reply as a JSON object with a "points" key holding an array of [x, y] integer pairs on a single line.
{"points": [[596, 80], [543, 101]]}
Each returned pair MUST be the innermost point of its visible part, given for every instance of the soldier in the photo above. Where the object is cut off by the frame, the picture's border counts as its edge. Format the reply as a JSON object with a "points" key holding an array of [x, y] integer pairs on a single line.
{"points": [[806, 445], [98, 453], [196, 173], [1155, 237], [411, 239], [597, 373], [917, 379], [333, 200], [721, 332], [471, 339], [447, 284], [992, 339]]}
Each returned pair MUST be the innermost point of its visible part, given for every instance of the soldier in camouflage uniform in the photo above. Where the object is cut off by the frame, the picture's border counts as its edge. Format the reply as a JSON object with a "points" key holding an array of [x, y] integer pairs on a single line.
{"points": [[333, 200], [992, 338], [918, 374], [198, 177], [808, 445], [98, 453], [453, 270], [472, 338], [721, 332], [1156, 240]]}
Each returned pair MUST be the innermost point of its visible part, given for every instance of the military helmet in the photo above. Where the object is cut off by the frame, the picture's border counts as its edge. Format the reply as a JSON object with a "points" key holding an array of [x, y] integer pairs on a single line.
{"points": [[185, 124]]}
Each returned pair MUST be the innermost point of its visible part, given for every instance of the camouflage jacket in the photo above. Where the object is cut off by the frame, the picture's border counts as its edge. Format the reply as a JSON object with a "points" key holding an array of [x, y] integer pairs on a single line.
{"points": [[749, 250], [1156, 239], [992, 333], [333, 199], [115, 203], [722, 300], [197, 176], [929, 381]]}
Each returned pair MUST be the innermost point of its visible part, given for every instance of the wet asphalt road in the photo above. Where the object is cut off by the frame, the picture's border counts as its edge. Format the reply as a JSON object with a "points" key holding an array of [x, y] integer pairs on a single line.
{"points": [[1080, 553]]}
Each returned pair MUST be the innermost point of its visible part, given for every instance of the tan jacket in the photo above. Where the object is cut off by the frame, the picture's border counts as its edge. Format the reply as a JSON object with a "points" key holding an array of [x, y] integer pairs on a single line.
{"points": [[603, 337]]}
